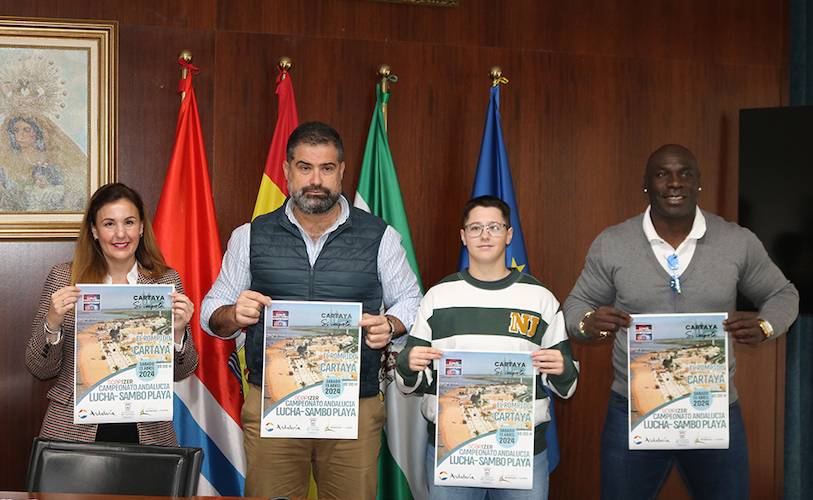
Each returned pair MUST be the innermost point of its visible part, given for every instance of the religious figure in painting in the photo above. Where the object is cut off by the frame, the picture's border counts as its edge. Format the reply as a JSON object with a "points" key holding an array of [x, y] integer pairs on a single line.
{"points": [[41, 168]]}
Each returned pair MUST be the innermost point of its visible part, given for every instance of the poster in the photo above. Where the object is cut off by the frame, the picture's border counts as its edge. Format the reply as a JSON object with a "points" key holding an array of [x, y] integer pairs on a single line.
{"points": [[678, 381], [123, 354], [484, 435], [311, 370]]}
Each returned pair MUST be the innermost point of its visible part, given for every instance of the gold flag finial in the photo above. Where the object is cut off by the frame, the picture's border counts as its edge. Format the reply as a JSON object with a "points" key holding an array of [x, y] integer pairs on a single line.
{"points": [[385, 73], [496, 76], [284, 65], [185, 56]]}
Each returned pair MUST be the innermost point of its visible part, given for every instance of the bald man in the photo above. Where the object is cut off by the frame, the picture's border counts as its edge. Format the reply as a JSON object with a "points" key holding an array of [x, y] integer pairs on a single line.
{"points": [[675, 258]]}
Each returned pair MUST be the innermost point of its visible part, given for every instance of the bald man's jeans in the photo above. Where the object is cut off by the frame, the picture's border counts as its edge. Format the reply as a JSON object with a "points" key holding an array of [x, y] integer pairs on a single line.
{"points": [[639, 474]]}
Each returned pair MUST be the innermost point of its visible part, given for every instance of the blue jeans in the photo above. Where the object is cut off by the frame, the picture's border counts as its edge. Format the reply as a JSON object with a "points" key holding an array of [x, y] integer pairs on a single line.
{"points": [[639, 474], [539, 491]]}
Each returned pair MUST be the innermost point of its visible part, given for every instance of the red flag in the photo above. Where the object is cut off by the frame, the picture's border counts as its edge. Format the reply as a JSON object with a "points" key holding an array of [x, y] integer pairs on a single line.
{"points": [[273, 188], [186, 229]]}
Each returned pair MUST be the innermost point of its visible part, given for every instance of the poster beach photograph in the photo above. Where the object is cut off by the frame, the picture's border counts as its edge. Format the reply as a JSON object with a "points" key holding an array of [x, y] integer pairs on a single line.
{"points": [[678, 381], [311, 368], [119, 327], [480, 393], [668, 370]]}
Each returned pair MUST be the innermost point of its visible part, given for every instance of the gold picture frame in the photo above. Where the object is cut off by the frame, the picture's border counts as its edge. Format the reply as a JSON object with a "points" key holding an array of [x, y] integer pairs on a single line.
{"points": [[58, 93]]}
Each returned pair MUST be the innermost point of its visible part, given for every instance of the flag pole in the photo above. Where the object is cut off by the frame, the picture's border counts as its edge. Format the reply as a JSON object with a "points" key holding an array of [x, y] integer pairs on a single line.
{"points": [[496, 76], [497, 79], [284, 65], [207, 404], [185, 56], [385, 73]]}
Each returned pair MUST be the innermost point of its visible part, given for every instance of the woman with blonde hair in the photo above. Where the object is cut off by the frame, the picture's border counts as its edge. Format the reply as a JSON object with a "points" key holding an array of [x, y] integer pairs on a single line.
{"points": [[116, 245]]}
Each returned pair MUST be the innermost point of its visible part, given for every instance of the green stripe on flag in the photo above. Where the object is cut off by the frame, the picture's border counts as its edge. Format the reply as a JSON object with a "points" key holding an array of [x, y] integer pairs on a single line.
{"points": [[400, 462], [392, 483], [378, 182]]}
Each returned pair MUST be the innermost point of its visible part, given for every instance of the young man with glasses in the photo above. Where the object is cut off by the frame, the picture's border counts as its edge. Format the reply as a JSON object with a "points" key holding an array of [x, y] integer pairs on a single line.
{"points": [[473, 310], [675, 258]]}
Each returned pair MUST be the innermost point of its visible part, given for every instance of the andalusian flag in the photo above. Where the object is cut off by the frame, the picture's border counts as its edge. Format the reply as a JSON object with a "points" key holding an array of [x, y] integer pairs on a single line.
{"points": [[403, 448], [273, 188]]}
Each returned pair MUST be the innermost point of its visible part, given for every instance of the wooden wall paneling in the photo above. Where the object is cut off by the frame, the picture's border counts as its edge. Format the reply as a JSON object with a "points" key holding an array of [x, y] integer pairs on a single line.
{"points": [[593, 89], [435, 124], [726, 31], [588, 103], [182, 14], [149, 41], [149, 101], [23, 268], [569, 182], [657, 92], [757, 379], [609, 189], [580, 421], [246, 108], [425, 110], [759, 87], [441, 113]]}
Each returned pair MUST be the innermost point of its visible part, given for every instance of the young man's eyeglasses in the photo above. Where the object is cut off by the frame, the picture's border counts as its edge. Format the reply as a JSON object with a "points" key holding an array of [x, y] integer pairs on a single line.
{"points": [[475, 229]]}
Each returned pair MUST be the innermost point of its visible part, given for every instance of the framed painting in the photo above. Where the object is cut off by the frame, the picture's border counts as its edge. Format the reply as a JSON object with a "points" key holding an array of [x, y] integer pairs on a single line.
{"points": [[57, 122]]}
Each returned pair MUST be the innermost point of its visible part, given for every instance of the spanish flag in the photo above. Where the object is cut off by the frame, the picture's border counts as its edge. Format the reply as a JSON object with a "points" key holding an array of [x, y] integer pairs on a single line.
{"points": [[273, 188]]}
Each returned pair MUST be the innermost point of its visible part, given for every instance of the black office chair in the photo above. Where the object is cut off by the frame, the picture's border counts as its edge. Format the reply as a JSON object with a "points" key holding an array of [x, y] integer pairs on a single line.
{"points": [[113, 468]]}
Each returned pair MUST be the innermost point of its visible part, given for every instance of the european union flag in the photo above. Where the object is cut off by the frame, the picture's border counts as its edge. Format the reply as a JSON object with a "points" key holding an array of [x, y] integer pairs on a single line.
{"points": [[494, 177]]}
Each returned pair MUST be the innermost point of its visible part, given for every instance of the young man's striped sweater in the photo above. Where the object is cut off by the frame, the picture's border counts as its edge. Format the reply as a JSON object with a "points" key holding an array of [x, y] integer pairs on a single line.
{"points": [[515, 314]]}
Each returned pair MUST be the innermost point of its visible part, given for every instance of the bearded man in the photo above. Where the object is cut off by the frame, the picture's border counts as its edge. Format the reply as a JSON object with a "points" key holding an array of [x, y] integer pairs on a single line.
{"points": [[315, 247]]}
